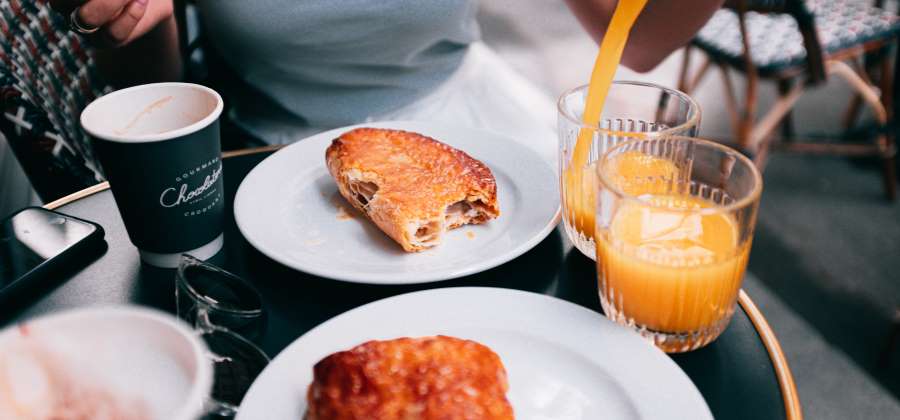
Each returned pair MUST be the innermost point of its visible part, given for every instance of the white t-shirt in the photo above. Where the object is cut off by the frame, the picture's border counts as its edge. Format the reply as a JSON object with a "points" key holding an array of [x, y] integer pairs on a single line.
{"points": [[328, 63], [320, 64]]}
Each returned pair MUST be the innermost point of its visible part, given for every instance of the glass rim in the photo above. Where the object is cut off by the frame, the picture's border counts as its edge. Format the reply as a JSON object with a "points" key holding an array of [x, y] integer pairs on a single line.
{"points": [[693, 117], [745, 201], [237, 337], [181, 280]]}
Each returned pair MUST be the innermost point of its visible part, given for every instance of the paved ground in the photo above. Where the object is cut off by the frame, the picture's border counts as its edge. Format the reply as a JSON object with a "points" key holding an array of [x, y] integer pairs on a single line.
{"points": [[827, 247]]}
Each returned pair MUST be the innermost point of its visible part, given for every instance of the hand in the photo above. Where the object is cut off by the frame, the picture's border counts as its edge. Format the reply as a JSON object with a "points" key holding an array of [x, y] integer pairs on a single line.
{"points": [[120, 21]]}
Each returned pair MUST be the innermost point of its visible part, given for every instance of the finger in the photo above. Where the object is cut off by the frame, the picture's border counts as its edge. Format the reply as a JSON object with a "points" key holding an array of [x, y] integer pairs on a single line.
{"points": [[99, 12], [120, 29]]}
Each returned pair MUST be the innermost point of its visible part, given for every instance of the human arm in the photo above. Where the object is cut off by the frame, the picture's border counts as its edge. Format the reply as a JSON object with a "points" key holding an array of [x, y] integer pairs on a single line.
{"points": [[662, 27], [137, 41]]}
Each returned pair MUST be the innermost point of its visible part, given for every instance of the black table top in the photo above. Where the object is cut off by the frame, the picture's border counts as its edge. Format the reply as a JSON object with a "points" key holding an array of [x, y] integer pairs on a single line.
{"points": [[736, 374]]}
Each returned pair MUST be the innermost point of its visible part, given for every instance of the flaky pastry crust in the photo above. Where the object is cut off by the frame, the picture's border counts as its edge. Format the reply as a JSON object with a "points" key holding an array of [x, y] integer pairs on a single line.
{"points": [[413, 187], [429, 378]]}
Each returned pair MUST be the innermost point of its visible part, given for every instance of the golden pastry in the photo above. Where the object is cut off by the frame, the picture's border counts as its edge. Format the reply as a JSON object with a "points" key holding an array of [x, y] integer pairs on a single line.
{"points": [[429, 378], [413, 187]]}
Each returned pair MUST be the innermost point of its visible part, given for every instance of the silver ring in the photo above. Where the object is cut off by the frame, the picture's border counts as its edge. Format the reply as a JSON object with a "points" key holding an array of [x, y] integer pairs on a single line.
{"points": [[76, 25]]}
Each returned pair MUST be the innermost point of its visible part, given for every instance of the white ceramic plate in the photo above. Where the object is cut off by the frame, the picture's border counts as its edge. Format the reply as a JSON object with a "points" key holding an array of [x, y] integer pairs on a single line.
{"points": [[289, 208], [563, 361]]}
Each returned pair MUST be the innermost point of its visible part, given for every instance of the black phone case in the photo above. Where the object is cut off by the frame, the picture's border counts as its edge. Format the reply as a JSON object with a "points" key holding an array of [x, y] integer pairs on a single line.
{"points": [[22, 291]]}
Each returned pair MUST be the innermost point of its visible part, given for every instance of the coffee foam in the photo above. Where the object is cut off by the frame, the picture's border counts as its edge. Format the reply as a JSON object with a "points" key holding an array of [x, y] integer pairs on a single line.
{"points": [[37, 383]]}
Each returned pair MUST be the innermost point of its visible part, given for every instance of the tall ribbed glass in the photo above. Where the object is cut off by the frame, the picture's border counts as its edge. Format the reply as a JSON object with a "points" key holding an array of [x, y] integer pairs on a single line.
{"points": [[633, 109]]}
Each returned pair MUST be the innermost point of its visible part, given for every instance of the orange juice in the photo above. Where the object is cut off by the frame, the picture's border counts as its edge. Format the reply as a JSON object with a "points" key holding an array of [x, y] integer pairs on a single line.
{"points": [[670, 270], [605, 66], [580, 185], [580, 198]]}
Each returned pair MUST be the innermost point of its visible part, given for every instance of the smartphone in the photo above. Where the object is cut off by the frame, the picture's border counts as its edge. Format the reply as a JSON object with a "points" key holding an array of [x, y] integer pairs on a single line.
{"points": [[35, 242]]}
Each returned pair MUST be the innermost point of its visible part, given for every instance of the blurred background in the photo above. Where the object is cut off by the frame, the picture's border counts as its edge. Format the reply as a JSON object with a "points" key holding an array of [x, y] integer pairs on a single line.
{"points": [[825, 263]]}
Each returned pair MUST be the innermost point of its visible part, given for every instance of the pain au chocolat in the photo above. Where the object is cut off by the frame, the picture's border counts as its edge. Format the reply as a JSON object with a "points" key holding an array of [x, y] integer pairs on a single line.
{"points": [[428, 378], [413, 187]]}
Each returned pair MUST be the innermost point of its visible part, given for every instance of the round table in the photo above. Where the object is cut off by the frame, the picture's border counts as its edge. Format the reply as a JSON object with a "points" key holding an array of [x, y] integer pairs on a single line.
{"points": [[742, 375]]}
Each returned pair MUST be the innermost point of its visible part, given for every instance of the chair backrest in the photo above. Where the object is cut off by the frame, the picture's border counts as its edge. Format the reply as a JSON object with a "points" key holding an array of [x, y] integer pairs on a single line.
{"points": [[47, 76], [806, 23]]}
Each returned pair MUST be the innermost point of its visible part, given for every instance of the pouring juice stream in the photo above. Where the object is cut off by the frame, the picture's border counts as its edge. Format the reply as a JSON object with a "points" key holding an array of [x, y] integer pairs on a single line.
{"points": [[605, 66], [577, 178]]}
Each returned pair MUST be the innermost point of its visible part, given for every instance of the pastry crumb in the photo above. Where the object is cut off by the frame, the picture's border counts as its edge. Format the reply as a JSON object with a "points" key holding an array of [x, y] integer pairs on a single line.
{"points": [[314, 242], [470, 234], [342, 214], [336, 200]]}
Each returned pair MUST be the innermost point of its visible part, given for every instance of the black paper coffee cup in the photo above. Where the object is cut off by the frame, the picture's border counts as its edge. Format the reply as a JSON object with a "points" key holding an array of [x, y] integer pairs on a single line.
{"points": [[159, 147]]}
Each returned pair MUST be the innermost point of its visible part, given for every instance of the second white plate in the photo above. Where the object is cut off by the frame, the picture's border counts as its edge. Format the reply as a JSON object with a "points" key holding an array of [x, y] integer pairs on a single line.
{"points": [[564, 361], [288, 208]]}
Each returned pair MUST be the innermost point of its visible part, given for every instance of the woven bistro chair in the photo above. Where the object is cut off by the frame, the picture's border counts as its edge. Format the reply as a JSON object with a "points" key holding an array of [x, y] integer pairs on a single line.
{"points": [[798, 44], [47, 76]]}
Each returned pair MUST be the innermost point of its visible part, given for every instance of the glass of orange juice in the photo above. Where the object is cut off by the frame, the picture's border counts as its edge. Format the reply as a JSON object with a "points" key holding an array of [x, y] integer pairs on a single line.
{"points": [[633, 109], [674, 223]]}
